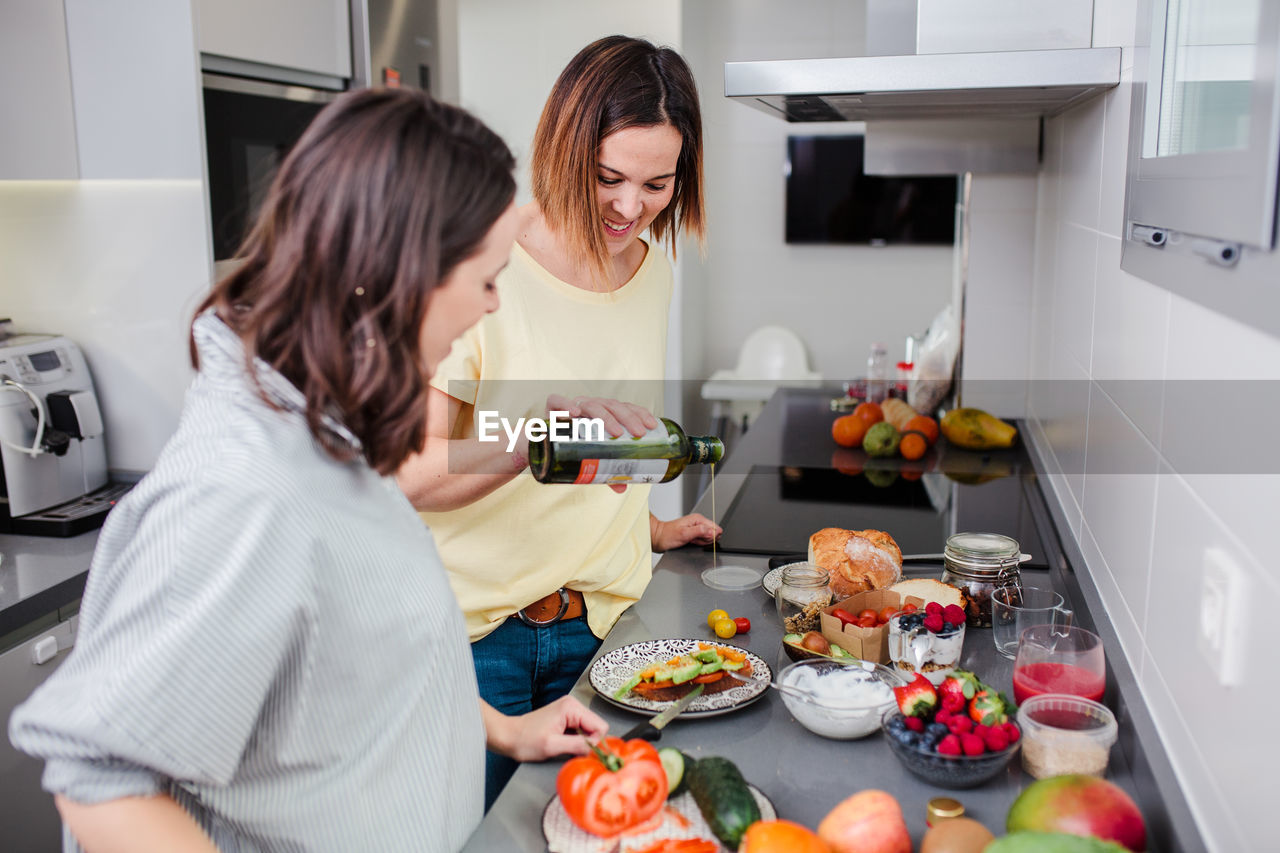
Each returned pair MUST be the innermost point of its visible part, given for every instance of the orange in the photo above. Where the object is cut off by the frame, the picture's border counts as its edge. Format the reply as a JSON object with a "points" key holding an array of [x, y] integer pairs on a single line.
{"points": [[869, 412], [925, 425], [913, 445], [848, 461], [848, 430], [780, 836]]}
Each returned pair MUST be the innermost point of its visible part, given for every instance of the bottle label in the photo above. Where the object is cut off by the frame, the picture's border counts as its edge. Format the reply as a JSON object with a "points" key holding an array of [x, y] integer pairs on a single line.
{"points": [[621, 471]]}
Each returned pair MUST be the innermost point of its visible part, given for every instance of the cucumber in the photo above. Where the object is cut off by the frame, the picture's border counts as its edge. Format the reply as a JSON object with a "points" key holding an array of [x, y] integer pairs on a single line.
{"points": [[673, 762], [723, 797]]}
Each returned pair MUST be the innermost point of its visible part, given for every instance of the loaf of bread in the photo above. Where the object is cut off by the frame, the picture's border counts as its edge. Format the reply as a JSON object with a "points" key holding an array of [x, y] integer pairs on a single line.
{"points": [[857, 560]]}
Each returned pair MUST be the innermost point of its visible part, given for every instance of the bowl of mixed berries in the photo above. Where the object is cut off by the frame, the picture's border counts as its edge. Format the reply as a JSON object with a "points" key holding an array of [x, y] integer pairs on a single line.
{"points": [[956, 735]]}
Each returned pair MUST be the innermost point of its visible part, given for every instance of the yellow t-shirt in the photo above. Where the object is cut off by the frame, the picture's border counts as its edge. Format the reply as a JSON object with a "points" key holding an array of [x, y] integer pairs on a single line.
{"points": [[527, 539]]}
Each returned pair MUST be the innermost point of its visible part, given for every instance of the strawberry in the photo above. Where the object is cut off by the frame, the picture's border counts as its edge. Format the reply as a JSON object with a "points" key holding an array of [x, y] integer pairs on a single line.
{"points": [[933, 608], [959, 683], [988, 707], [916, 724], [954, 614], [916, 699], [972, 744], [950, 745], [933, 623]]}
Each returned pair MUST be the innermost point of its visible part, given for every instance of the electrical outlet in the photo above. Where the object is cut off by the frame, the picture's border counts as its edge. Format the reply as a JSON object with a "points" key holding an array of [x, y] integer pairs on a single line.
{"points": [[1224, 613]]}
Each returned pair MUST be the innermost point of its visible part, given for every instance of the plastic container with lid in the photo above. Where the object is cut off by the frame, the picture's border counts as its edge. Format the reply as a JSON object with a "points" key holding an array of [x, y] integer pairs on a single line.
{"points": [[1064, 734], [801, 595], [979, 564]]}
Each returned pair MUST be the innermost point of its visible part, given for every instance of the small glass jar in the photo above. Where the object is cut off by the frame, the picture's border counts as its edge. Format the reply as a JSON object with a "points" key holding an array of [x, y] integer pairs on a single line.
{"points": [[801, 595], [979, 564]]}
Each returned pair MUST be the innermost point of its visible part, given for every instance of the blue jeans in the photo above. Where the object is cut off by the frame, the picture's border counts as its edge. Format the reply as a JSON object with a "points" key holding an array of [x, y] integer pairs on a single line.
{"points": [[520, 668]]}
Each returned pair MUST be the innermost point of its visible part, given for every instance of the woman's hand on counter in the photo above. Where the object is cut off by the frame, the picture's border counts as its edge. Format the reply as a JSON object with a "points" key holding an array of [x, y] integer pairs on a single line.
{"points": [[695, 529], [552, 730]]}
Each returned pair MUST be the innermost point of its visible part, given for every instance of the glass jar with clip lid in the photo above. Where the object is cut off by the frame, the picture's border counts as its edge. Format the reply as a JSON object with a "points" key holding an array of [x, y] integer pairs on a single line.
{"points": [[979, 564]]}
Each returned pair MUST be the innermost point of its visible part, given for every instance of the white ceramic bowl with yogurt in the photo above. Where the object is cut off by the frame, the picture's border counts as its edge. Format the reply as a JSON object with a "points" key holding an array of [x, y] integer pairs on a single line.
{"points": [[838, 700]]}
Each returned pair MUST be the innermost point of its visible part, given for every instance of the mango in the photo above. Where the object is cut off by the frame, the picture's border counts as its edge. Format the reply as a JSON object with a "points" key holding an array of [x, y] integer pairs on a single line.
{"points": [[1079, 805], [976, 430]]}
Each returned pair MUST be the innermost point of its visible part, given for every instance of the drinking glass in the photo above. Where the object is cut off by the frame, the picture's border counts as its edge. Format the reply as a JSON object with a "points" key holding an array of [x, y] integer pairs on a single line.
{"points": [[1016, 608], [1059, 659]]}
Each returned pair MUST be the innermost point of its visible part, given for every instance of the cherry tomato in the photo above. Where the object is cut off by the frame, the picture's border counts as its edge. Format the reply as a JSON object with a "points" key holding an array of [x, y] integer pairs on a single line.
{"points": [[887, 613], [909, 608], [863, 614], [715, 616], [618, 787], [866, 622], [725, 628], [845, 617], [743, 624]]}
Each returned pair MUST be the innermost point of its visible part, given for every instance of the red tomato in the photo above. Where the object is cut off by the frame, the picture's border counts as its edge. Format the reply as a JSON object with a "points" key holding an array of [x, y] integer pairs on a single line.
{"points": [[909, 608], [619, 785], [708, 678], [845, 617], [887, 613], [743, 623], [867, 621], [863, 614]]}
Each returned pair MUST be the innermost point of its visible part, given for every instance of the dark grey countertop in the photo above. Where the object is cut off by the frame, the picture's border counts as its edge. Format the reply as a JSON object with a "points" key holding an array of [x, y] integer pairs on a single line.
{"points": [[805, 775], [39, 575]]}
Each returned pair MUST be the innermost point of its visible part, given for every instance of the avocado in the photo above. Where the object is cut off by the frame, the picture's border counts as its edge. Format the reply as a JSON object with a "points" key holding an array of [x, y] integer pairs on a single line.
{"points": [[626, 688], [684, 671], [732, 664], [706, 655], [714, 666]]}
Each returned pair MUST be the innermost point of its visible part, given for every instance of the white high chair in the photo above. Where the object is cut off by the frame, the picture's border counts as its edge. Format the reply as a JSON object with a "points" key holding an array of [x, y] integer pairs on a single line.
{"points": [[770, 357]]}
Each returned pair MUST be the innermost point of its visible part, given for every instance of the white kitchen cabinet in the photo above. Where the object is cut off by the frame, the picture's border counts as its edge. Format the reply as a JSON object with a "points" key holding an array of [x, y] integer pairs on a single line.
{"points": [[29, 823], [305, 35], [39, 138]]}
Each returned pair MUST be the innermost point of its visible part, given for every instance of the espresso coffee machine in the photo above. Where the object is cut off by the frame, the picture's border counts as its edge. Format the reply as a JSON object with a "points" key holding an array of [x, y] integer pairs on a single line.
{"points": [[52, 450]]}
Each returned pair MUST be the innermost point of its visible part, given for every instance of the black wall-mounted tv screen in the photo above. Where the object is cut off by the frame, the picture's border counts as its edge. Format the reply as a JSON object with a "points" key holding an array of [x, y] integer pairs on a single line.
{"points": [[831, 200]]}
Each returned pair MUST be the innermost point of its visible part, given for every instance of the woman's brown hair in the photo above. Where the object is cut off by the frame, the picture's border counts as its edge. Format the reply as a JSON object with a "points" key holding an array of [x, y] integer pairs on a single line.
{"points": [[382, 196], [612, 84]]}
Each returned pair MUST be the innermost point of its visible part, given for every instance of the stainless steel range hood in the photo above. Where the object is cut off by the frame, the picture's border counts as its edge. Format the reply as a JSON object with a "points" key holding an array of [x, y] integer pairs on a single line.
{"points": [[1007, 84]]}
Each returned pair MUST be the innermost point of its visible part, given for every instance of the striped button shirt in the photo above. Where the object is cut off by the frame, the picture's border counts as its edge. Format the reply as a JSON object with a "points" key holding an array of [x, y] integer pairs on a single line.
{"points": [[267, 635]]}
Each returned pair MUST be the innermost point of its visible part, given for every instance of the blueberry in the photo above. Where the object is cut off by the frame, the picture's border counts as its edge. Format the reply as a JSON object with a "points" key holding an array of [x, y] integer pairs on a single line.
{"points": [[910, 738], [898, 724], [939, 729]]}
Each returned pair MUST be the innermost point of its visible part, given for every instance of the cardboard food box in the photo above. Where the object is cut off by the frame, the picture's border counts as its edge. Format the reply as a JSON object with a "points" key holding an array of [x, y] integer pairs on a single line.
{"points": [[867, 643]]}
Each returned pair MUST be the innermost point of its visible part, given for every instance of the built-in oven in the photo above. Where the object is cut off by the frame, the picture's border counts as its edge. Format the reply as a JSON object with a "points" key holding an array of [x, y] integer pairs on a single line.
{"points": [[250, 125]]}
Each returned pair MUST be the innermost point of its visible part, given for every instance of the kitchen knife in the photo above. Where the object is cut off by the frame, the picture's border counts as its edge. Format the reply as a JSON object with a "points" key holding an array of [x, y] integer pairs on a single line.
{"points": [[652, 729]]}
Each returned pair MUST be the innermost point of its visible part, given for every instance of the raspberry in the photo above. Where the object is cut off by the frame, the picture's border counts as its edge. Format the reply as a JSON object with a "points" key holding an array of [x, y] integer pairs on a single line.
{"points": [[933, 623], [950, 745], [953, 702], [961, 725], [953, 613], [933, 608], [916, 724], [1011, 732], [972, 744], [943, 716], [995, 740], [981, 731]]}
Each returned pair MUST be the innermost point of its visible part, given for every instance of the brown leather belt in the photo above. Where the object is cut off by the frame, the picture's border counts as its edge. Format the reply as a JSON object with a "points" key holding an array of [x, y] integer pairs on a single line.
{"points": [[558, 606]]}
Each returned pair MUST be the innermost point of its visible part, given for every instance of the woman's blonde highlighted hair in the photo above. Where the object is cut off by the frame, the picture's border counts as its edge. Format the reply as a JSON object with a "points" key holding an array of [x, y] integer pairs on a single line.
{"points": [[615, 83]]}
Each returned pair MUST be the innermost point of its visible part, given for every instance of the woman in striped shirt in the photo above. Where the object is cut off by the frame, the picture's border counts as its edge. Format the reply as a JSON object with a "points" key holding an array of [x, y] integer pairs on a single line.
{"points": [[269, 654]]}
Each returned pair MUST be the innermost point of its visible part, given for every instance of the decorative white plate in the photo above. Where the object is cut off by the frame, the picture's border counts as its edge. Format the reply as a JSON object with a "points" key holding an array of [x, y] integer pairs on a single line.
{"points": [[565, 836], [772, 580], [613, 669]]}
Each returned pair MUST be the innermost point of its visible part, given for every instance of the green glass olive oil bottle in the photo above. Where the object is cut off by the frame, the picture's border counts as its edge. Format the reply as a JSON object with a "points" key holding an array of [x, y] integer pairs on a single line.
{"points": [[659, 455]]}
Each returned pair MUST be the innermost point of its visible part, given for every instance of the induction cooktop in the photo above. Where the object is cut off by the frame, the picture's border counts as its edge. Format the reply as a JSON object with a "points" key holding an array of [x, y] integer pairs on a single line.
{"points": [[778, 507]]}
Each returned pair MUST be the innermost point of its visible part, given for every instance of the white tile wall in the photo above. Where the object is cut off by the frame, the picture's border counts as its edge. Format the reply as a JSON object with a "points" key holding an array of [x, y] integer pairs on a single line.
{"points": [[1160, 458]]}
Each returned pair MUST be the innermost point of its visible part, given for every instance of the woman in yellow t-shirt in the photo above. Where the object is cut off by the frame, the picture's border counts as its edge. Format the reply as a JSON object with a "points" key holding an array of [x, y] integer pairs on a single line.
{"points": [[542, 572]]}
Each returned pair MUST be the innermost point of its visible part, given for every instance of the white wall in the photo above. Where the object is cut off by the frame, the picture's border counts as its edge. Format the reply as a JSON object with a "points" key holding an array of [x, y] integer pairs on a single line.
{"points": [[839, 299], [1128, 458], [116, 262]]}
